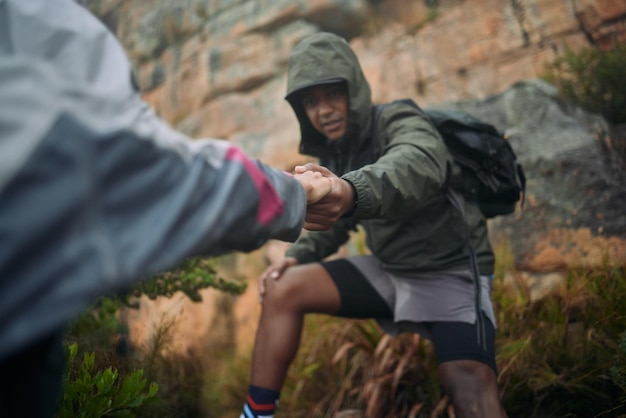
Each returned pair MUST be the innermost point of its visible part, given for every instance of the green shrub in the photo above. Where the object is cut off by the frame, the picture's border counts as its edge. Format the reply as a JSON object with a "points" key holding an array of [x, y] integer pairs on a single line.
{"points": [[189, 277], [90, 393], [592, 79], [109, 380]]}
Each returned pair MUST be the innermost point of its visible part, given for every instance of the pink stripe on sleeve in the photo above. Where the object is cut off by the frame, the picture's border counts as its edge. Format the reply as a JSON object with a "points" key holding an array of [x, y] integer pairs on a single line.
{"points": [[270, 204]]}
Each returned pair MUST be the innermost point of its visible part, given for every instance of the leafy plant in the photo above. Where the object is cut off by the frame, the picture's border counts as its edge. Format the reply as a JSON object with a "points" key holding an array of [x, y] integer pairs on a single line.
{"points": [[94, 394], [100, 334], [189, 277], [592, 79]]}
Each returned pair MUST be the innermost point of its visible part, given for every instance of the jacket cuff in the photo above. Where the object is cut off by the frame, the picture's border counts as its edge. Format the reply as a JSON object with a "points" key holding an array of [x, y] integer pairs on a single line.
{"points": [[355, 204], [361, 202]]}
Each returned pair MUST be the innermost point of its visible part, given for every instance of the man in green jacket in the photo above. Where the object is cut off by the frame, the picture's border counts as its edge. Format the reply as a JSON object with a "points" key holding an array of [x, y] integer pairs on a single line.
{"points": [[417, 276]]}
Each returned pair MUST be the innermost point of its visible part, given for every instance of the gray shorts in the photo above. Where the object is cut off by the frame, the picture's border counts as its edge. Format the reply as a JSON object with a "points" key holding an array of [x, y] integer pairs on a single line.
{"points": [[424, 303]]}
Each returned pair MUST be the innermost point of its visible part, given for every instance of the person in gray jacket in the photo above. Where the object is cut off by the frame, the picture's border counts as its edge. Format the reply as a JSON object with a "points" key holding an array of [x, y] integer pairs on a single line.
{"points": [[97, 192], [417, 275]]}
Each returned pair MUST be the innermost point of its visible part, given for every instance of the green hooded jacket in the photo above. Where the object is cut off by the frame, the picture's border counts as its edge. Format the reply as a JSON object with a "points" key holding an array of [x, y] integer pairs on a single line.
{"points": [[397, 169]]}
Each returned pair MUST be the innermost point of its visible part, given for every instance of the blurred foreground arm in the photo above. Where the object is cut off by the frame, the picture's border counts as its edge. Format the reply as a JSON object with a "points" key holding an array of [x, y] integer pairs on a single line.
{"points": [[96, 194], [96, 191]]}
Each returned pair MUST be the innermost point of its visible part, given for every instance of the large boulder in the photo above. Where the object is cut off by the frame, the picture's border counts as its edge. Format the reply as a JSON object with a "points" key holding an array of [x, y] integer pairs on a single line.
{"points": [[573, 213]]}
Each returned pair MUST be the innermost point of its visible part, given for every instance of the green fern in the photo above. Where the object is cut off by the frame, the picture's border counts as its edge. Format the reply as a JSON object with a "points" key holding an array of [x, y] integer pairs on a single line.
{"points": [[97, 394]]}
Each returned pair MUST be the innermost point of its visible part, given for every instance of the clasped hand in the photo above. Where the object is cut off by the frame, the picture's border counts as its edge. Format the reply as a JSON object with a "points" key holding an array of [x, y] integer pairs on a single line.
{"points": [[328, 196]]}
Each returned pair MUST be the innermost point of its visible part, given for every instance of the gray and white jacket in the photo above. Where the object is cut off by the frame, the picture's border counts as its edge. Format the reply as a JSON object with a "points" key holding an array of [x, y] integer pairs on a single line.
{"points": [[97, 192]]}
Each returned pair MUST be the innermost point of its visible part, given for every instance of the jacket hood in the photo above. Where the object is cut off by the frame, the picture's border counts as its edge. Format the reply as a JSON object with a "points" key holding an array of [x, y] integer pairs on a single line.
{"points": [[325, 58]]}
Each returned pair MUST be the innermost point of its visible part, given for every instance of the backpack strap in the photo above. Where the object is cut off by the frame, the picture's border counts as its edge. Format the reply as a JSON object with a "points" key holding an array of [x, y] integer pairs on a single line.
{"points": [[453, 197], [522, 179]]}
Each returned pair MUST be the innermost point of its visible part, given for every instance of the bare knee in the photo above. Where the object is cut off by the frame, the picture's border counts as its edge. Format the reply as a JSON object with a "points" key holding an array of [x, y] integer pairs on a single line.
{"points": [[302, 289], [284, 293]]}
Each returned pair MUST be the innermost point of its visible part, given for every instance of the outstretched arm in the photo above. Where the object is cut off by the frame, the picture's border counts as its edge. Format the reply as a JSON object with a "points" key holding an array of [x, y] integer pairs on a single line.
{"points": [[96, 191], [96, 194]]}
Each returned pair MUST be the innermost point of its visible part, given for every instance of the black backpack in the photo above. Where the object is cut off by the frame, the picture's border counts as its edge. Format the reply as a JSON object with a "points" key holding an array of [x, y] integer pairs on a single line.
{"points": [[490, 174]]}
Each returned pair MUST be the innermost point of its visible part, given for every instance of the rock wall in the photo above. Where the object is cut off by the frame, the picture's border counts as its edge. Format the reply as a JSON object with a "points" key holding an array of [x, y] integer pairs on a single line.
{"points": [[216, 68]]}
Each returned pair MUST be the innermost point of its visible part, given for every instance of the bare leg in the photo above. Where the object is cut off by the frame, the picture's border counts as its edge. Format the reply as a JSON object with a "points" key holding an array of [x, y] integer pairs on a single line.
{"points": [[473, 389], [302, 289]]}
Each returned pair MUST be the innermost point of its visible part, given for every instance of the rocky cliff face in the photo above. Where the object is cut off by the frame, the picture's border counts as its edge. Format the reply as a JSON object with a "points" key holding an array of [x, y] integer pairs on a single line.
{"points": [[216, 68]]}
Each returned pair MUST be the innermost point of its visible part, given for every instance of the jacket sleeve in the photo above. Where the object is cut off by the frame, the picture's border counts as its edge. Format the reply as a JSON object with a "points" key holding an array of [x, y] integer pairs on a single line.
{"points": [[411, 170], [96, 194], [317, 245]]}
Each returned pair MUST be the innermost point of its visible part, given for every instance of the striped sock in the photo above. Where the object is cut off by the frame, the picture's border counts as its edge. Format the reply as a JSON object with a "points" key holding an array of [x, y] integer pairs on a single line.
{"points": [[260, 403]]}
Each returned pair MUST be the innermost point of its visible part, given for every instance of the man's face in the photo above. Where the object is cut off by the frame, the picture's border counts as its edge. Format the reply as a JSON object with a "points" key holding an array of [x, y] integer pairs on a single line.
{"points": [[326, 106]]}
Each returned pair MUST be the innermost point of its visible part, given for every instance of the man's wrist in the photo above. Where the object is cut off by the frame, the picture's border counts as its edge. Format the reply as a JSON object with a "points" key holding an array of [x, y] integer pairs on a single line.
{"points": [[354, 200]]}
